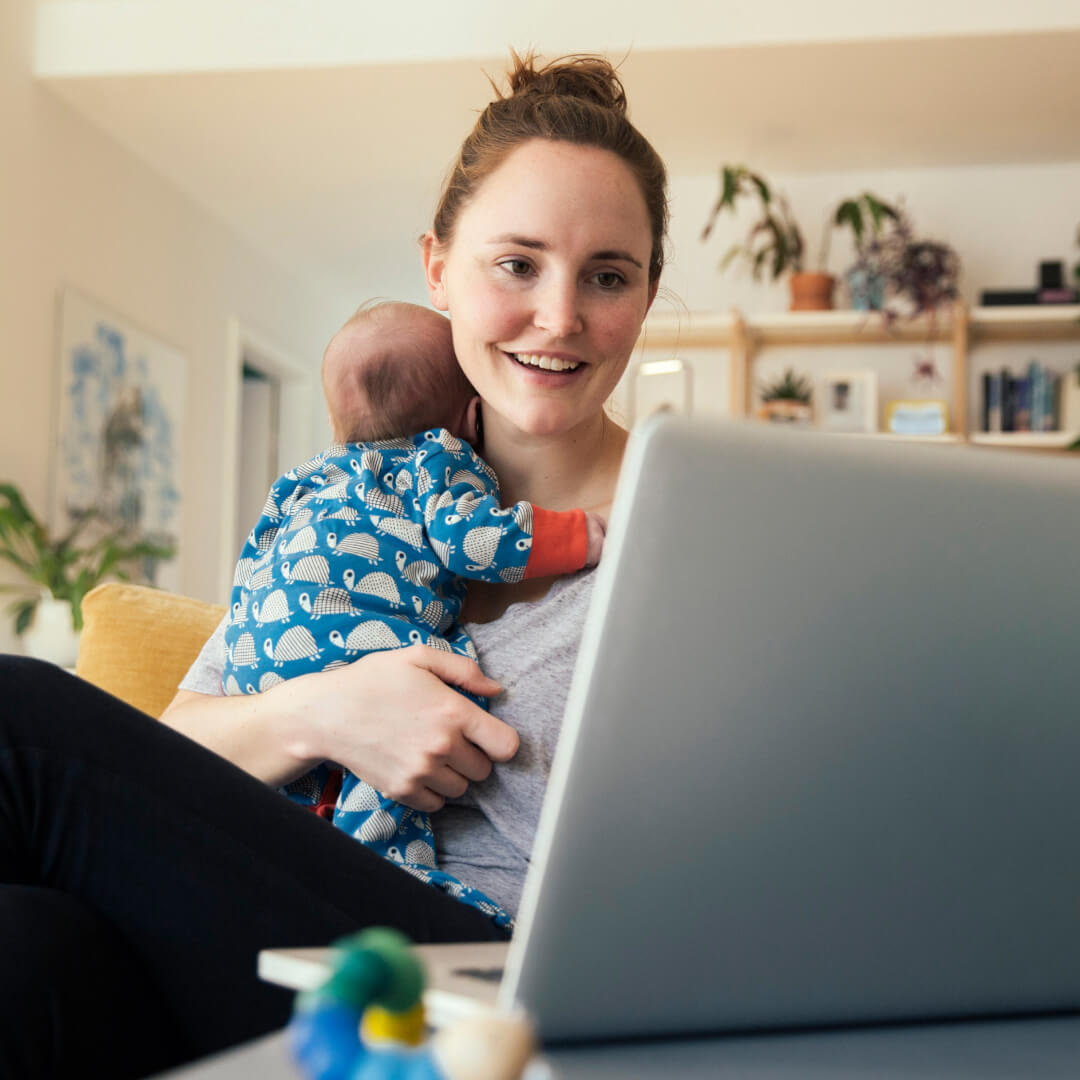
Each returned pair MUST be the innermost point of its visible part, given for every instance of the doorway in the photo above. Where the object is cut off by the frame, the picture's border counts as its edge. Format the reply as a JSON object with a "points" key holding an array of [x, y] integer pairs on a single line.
{"points": [[268, 430]]}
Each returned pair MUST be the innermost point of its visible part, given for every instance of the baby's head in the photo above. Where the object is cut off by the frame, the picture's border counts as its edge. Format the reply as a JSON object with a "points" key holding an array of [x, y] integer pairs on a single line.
{"points": [[391, 371]]}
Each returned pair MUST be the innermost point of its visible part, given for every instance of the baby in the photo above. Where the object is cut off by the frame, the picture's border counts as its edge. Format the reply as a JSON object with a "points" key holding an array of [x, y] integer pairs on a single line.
{"points": [[365, 547]]}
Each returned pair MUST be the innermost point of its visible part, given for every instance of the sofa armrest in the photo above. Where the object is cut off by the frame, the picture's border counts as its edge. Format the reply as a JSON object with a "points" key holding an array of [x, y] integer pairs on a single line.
{"points": [[138, 643]]}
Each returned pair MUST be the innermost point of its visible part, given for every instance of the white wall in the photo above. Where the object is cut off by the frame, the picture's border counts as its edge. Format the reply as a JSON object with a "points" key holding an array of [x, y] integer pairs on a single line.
{"points": [[113, 36], [1002, 219], [76, 209]]}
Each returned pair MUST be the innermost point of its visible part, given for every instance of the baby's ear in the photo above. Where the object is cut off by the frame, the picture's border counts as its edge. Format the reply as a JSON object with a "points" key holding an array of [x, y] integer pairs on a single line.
{"points": [[471, 425]]}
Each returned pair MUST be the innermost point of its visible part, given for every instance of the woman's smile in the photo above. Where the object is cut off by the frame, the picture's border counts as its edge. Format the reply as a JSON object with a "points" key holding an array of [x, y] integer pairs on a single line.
{"points": [[551, 369]]}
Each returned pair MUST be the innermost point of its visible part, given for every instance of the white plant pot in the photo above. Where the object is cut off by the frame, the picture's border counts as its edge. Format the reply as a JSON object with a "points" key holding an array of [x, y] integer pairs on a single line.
{"points": [[52, 635]]}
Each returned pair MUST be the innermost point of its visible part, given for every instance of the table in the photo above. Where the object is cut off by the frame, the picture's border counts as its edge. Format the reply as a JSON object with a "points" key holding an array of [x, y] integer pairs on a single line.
{"points": [[1036, 1049]]}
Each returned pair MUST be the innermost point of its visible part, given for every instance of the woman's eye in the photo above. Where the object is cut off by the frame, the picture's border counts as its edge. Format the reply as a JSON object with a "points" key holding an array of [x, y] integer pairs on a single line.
{"points": [[608, 279], [517, 267]]}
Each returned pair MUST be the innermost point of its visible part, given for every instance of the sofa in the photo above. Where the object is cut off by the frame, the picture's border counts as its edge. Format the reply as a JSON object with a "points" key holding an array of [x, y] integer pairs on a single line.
{"points": [[138, 643]]}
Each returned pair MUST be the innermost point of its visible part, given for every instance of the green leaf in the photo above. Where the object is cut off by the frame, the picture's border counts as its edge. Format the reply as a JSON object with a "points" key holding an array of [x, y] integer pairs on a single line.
{"points": [[20, 511], [24, 615], [763, 188], [848, 213], [730, 186], [879, 210], [731, 254]]}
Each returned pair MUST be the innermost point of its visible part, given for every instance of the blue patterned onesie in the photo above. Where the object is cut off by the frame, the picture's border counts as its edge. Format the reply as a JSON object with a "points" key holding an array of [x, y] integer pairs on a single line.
{"points": [[363, 548]]}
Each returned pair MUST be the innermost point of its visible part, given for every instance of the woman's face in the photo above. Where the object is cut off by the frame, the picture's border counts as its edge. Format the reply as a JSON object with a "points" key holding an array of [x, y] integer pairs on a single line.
{"points": [[546, 283]]}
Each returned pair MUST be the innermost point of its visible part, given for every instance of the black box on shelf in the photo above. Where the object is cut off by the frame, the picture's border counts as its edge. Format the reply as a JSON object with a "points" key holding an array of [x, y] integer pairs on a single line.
{"points": [[1009, 297]]}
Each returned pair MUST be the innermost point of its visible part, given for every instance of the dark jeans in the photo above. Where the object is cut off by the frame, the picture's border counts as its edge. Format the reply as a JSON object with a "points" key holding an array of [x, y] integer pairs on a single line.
{"points": [[139, 876]]}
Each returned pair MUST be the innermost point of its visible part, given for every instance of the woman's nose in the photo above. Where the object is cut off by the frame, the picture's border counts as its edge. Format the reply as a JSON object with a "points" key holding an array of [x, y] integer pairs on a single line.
{"points": [[558, 310]]}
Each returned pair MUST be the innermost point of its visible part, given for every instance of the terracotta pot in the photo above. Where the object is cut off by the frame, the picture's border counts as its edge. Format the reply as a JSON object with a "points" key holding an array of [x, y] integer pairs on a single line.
{"points": [[785, 411], [812, 292]]}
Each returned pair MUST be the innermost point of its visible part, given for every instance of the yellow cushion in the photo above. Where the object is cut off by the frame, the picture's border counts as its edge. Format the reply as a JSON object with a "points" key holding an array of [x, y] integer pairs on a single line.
{"points": [[138, 643]]}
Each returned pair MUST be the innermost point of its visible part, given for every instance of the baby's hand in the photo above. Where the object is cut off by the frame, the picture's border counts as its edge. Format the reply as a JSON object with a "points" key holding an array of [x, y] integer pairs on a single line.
{"points": [[596, 530]]}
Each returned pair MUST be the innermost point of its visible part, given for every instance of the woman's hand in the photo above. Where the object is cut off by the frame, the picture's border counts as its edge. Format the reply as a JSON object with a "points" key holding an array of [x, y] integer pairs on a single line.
{"points": [[392, 719]]}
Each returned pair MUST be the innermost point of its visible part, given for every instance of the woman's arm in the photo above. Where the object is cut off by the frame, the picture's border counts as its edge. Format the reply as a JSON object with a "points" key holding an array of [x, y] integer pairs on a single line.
{"points": [[390, 717]]}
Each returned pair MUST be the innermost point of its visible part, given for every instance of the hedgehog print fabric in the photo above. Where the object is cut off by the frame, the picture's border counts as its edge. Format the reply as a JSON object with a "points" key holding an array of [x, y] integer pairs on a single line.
{"points": [[366, 547]]}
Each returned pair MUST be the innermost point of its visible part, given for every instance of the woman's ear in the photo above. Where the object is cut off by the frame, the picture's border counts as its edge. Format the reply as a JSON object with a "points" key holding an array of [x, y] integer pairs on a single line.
{"points": [[653, 287], [434, 255]]}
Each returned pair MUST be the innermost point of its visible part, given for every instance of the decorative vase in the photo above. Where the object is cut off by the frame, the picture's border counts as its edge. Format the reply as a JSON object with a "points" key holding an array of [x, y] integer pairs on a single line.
{"points": [[867, 288], [812, 291], [52, 635]]}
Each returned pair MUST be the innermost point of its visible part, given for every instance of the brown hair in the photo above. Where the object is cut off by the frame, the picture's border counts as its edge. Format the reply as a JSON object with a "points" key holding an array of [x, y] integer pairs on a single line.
{"points": [[575, 99], [399, 379]]}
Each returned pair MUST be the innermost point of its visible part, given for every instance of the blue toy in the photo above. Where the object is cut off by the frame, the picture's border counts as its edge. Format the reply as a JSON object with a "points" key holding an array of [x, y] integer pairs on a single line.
{"points": [[375, 985]]}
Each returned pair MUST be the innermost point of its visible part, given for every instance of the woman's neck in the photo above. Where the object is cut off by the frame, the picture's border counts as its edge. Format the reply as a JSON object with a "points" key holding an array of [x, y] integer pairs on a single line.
{"points": [[575, 469]]}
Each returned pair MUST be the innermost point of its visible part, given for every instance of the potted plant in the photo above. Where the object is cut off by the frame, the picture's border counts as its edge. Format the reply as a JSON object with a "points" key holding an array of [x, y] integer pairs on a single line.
{"points": [[775, 241], [868, 217], [919, 275], [61, 571], [787, 399]]}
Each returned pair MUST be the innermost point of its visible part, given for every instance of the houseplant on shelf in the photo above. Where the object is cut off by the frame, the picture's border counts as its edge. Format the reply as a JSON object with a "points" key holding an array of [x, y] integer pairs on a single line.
{"points": [[919, 275], [787, 399], [61, 571], [869, 218], [775, 241]]}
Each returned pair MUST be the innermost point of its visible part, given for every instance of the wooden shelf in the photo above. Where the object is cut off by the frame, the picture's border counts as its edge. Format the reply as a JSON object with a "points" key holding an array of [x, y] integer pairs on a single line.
{"points": [[1058, 322], [948, 439], [1036, 440], [958, 327], [698, 329]]}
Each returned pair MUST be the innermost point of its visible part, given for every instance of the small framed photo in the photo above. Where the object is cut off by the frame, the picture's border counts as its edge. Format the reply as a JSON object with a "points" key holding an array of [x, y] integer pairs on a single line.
{"points": [[662, 386], [848, 401], [917, 417]]}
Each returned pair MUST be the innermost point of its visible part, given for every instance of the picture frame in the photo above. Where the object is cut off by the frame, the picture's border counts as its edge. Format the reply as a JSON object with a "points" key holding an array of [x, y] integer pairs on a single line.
{"points": [[662, 385], [847, 401], [918, 418], [118, 429]]}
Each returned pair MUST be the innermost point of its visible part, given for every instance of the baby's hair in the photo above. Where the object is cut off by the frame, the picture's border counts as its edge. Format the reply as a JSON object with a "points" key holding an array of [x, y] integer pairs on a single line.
{"points": [[577, 99], [409, 382]]}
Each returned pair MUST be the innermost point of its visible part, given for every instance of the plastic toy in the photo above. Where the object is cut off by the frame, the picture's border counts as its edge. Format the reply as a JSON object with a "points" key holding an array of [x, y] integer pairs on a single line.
{"points": [[366, 1022]]}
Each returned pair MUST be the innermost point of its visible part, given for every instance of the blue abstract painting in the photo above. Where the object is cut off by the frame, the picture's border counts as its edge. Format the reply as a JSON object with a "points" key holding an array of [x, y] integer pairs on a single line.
{"points": [[119, 430]]}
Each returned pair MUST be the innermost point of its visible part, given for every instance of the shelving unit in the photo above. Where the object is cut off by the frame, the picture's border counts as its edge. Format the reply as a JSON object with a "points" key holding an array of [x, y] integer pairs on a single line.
{"points": [[964, 329]]}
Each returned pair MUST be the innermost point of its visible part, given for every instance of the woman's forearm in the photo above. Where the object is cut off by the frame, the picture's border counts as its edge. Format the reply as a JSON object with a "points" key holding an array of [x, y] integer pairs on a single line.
{"points": [[390, 717], [258, 732]]}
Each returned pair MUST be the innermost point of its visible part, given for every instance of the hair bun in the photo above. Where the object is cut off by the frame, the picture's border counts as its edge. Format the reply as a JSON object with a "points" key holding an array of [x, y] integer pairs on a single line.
{"points": [[589, 77]]}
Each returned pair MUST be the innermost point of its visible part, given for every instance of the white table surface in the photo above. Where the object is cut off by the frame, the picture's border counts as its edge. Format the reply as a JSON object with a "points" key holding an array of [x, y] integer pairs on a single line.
{"points": [[1040, 1049]]}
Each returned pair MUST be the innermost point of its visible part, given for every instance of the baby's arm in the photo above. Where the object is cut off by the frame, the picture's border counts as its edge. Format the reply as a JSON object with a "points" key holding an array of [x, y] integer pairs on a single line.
{"points": [[475, 537]]}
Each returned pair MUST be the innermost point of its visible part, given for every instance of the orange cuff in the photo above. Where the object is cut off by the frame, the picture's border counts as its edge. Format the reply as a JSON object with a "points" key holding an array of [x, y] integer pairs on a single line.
{"points": [[560, 541]]}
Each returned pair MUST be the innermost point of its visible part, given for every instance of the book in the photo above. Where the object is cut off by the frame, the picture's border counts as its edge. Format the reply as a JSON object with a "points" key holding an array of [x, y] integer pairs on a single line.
{"points": [[1022, 409], [991, 403], [1008, 400], [1036, 379]]}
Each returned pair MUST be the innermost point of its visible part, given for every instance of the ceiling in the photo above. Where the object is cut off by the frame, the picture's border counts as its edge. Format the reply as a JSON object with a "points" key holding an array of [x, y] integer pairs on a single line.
{"points": [[321, 166]]}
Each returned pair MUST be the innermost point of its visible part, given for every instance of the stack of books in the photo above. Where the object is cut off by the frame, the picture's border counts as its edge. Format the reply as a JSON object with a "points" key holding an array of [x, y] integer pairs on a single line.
{"points": [[1029, 402]]}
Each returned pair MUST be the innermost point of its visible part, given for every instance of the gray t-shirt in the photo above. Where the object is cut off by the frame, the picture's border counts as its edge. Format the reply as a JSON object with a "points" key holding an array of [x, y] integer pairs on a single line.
{"points": [[486, 837]]}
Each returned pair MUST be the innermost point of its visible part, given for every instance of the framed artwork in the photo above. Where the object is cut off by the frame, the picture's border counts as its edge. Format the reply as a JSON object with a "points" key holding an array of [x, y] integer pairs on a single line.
{"points": [[917, 417], [662, 386], [848, 401], [119, 426]]}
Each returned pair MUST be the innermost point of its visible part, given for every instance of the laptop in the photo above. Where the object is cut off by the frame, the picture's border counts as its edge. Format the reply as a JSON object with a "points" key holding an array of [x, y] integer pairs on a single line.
{"points": [[820, 763]]}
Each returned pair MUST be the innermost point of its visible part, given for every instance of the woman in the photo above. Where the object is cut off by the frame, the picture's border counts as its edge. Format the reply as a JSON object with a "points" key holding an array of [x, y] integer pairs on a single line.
{"points": [[148, 872]]}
